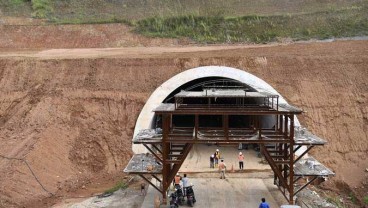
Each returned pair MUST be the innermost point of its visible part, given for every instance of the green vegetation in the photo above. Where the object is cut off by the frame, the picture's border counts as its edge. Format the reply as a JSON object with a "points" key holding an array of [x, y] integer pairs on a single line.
{"points": [[209, 21], [42, 8], [77, 21], [17, 2], [335, 201], [119, 185], [16, 7], [89, 10], [365, 200], [353, 198], [34, 8], [10, 4], [346, 22]]}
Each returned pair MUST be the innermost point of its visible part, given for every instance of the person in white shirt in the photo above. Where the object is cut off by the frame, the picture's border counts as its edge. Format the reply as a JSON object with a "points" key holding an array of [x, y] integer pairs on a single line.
{"points": [[186, 184]]}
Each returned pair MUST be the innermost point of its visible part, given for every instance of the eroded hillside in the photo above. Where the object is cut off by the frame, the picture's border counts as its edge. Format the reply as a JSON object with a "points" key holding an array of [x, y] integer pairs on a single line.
{"points": [[72, 117]]}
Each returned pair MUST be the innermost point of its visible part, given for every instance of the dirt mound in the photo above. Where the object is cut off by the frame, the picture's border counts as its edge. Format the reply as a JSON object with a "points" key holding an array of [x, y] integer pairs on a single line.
{"points": [[72, 119], [66, 136]]}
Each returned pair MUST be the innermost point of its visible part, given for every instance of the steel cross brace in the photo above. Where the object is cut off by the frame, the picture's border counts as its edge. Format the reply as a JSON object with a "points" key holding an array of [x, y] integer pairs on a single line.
{"points": [[274, 166], [156, 148], [305, 152], [305, 185], [177, 166], [154, 153], [158, 179], [153, 185]]}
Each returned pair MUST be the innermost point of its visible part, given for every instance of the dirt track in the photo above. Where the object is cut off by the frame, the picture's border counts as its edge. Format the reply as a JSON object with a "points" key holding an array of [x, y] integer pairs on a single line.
{"points": [[71, 113]]}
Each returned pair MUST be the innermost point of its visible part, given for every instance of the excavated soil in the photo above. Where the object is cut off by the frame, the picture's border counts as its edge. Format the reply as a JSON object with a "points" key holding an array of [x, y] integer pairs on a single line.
{"points": [[71, 113]]}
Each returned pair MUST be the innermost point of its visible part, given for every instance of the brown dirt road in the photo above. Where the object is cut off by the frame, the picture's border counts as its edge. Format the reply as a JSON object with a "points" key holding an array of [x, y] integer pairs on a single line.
{"points": [[71, 112]]}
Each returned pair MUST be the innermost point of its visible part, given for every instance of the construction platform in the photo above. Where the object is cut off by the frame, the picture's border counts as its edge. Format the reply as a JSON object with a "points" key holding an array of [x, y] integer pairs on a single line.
{"points": [[213, 119]]}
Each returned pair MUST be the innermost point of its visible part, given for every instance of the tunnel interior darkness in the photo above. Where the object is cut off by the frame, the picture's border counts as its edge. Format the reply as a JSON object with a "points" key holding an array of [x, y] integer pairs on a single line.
{"points": [[213, 121]]}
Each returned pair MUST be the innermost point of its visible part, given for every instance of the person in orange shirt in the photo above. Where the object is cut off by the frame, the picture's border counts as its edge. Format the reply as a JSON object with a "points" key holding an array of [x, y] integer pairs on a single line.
{"points": [[241, 160]]}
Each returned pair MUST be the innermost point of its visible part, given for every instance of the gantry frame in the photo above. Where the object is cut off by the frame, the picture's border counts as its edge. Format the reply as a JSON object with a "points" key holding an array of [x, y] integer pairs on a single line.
{"points": [[278, 144]]}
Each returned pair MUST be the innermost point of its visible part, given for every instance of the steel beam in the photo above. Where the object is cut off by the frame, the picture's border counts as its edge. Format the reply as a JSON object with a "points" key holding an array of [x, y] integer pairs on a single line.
{"points": [[153, 185], [305, 185], [227, 111], [305, 152], [291, 164], [156, 148], [154, 153], [158, 179], [235, 141], [274, 167], [176, 166], [225, 121], [166, 120]]}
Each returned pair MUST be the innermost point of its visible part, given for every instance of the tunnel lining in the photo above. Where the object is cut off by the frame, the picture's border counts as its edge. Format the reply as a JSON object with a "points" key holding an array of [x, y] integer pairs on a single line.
{"points": [[146, 117]]}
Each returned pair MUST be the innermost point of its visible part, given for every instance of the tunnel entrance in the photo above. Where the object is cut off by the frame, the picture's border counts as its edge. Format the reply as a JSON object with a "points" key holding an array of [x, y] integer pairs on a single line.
{"points": [[193, 80], [224, 106], [214, 121]]}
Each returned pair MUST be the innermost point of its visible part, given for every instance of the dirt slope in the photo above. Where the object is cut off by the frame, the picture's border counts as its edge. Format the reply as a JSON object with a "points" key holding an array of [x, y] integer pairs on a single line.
{"points": [[72, 118], [72, 36]]}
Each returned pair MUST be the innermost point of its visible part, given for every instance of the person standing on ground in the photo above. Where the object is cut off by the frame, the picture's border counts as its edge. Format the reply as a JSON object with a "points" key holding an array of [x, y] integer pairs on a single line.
{"points": [[264, 204], [241, 160], [143, 189], [212, 161], [217, 157], [185, 184], [222, 168], [177, 180]]}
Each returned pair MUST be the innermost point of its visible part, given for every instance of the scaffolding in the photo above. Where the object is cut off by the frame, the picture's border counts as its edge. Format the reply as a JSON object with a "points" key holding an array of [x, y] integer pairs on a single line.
{"points": [[169, 146]]}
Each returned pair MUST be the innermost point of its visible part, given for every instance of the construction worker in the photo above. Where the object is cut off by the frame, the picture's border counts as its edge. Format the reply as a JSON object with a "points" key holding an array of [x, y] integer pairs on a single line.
{"points": [[241, 160], [185, 184], [212, 161], [177, 180], [217, 157], [143, 189], [264, 204], [222, 168]]}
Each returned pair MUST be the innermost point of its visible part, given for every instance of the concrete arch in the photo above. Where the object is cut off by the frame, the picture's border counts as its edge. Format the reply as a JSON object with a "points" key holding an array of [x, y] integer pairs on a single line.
{"points": [[146, 116]]}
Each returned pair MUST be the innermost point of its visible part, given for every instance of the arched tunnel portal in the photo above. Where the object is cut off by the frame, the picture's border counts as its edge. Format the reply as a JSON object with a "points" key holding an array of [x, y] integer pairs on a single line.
{"points": [[225, 106], [195, 79]]}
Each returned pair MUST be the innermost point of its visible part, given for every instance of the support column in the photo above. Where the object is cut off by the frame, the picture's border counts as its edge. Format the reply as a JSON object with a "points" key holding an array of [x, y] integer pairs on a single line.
{"points": [[285, 132], [253, 122], [225, 124], [291, 173], [286, 120], [280, 124], [196, 126], [259, 129], [165, 155]]}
